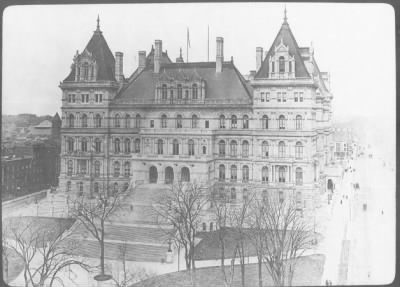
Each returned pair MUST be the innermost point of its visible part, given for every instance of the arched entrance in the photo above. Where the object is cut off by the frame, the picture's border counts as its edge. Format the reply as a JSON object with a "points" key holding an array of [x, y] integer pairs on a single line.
{"points": [[153, 175], [169, 175], [185, 174]]}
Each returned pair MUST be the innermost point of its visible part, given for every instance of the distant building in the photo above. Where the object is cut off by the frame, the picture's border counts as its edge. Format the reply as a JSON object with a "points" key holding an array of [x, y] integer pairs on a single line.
{"points": [[344, 144]]}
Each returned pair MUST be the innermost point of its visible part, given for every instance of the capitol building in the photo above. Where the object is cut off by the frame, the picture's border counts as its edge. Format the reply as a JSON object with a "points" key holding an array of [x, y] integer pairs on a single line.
{"points": [[268, 133]]}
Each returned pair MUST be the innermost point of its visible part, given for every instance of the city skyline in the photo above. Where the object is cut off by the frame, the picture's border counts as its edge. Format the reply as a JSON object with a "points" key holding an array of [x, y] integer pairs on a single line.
{"points": [[355, 82]]}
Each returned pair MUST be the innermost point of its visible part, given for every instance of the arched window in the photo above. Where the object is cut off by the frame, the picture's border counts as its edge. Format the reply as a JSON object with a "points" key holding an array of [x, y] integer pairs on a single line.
{"points": [[233, 122], [178, 121], [85, 71], [265, 149], [127, 169], [84, 120], [175, 147], [163, 121], [171, 93], [68, 186], [117, 121], [137, 121], [233, 193], [221, 173], [245, 149], [299, 150], [204, 226], [211, 226], [204, 150], [245, 122], [97, 145], [245, 194], [299, 176], [265, 122], [299, 122], [245, 173], [69, 168], [194, 91], [127, 121], [221, 121], [281, 64], [264, 174], [233, 173], [282, 174], [137, 146], [117, 145], [164, 94], [273, 67], [117, 169], [191, 147], [281, 149], [71, 120], [282, 122], [127, 146], [96, 168], [160, 145], [70, 144], [221, 146], [194, 121], [233, 148], [97, 121], [84, 145], [179, 92]]}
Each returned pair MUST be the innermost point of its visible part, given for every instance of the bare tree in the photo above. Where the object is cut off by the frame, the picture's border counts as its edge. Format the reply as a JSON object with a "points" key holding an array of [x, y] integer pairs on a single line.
{"points": [[286, 237], [44, 251], [5, 253], [93, 214], [181, 206], [129, 275], [238, 221]]}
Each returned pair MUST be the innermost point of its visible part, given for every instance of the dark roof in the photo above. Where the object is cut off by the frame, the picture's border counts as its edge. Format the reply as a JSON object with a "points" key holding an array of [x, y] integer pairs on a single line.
{"points": [[229, 84], [56, 118], [164, 58], [99, 49], [285, 35]]}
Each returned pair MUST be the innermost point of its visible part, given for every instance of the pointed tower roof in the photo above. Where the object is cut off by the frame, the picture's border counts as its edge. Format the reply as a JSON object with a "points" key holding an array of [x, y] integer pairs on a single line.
{"points": [[98, 48], [285, 36]]}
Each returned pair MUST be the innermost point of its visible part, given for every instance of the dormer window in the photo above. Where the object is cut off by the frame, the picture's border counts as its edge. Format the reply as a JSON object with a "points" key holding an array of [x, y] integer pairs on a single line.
{"points": [[281, 64], [164, 92], [273, 67], [179, 92], [194, 92], [85, 73]]}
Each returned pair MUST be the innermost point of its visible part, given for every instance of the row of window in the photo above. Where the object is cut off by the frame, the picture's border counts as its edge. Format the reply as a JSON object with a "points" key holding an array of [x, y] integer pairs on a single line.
{"points": [[82, 168], [281, 97], [84, 99], [282, 172], [179, 92], [178, 121], [96, 187]]}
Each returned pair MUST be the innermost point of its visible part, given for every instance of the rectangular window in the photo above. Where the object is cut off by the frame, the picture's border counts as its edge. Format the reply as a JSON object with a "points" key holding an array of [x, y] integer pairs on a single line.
{"points": [[281, 197], [296, 97], [207, 124], [71, 98], [98, 98], [152, 123], [284, 97], [262, 97], [85, 98], [279, 97], [301, 96], [267, 97]]}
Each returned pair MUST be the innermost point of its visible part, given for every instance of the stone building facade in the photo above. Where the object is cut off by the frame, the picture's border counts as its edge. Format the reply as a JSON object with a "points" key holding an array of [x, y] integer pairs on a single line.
{"points": [[197, 121]]}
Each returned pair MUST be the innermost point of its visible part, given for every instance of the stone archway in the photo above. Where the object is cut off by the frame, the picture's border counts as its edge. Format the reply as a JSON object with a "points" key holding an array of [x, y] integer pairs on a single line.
{"points": [[153, 174], [169, 175], [185, 174]]}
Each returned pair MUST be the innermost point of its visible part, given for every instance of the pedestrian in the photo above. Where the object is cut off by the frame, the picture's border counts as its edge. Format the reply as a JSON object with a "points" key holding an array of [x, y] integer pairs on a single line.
{"points": [[326, 282]]}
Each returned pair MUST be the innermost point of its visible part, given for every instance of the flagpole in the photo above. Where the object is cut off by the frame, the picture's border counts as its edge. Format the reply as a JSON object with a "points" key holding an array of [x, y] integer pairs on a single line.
{"points": [[187, 46], [208, 43]]}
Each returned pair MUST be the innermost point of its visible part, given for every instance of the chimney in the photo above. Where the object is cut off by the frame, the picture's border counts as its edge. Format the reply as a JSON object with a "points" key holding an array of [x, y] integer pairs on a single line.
{"points": [[259, 57], [252, 75], [157, 56], [119, 68], [220, 54], [142, 60]]}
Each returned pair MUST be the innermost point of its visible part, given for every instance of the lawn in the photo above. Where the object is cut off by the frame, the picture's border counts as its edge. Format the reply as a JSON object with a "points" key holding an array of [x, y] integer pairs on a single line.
{"points": [[308, 273], [15, 265]]}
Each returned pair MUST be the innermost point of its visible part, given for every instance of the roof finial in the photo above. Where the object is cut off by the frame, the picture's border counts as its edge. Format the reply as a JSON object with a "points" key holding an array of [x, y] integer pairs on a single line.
{"points": [[98, 22], [285, 17], [180, 53]]}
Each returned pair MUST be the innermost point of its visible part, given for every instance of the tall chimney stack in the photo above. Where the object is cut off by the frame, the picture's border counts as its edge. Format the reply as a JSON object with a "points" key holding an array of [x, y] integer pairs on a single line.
{"points": [[142, 60], [119, 68], [259, 57], [220, 54], [157, 56]]}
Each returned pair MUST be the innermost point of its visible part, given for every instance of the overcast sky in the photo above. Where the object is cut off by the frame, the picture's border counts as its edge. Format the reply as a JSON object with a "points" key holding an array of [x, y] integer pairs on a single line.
{"points": [[355, 43]]}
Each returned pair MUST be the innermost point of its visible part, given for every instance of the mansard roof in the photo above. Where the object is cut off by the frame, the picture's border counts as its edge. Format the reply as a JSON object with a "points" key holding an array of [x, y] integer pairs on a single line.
{"points": [[226, 85], [285, 35], [98, 48]]}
